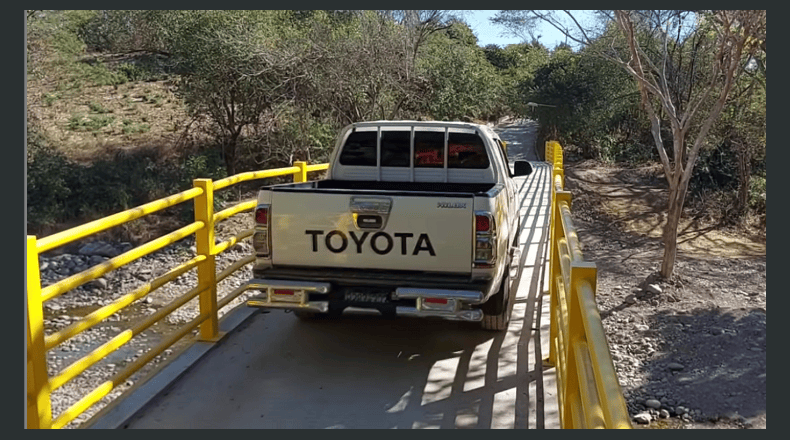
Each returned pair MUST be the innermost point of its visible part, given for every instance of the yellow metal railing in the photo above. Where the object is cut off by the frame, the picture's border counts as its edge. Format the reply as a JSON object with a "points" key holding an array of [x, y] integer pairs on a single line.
{"points": [[40, 385], [589, 394]]}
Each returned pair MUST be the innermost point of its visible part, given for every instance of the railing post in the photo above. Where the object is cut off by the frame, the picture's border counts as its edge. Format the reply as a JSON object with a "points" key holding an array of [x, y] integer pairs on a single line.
{"points": [[548, 154], [39, 409], [206, 270], [301, 175]]}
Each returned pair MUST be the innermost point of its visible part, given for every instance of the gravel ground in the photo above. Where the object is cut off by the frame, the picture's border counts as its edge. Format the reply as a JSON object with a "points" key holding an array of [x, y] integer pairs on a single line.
{"points": [[690, 352]]}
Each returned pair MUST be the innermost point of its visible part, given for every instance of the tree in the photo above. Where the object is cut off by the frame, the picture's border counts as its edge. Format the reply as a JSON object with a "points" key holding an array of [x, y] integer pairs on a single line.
{"points": [[685, 64], [236, 67], [463, 84]]}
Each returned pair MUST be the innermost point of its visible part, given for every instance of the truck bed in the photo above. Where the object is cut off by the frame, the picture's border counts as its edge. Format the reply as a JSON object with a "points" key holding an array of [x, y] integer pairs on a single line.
{"points": [[422, 187]]}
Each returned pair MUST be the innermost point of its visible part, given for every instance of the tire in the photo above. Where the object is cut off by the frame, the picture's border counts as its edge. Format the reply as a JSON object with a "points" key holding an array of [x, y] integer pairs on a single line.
{"points": [[496, 311], [309, 315], [306, 315]]}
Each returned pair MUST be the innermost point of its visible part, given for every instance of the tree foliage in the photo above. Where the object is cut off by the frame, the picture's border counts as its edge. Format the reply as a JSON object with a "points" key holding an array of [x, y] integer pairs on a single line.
{"points": [[275, 85], [684, 63]]}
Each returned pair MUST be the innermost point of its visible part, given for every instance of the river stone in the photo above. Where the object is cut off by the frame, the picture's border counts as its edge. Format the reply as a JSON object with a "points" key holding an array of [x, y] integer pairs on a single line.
{"points": [[98, 248], [643, 418], [99, 283], [653, 288], [674, 366], [653, 403]]}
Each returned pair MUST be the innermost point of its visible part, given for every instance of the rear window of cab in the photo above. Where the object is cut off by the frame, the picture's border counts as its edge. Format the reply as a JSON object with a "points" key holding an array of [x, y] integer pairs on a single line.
{"points": [[464, 150]]}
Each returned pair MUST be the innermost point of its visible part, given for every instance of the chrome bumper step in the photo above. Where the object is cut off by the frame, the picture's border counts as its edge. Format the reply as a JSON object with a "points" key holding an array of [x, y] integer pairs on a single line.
{"points": [[451, 309]]}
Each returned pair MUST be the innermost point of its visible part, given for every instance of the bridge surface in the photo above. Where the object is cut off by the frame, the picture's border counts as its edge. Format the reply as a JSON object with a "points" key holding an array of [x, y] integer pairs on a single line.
{"points": [[271, 370]]}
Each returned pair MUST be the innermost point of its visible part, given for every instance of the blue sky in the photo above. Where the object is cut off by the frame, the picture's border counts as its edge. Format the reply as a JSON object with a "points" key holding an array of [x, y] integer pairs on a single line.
{"points": [[489, 33]]}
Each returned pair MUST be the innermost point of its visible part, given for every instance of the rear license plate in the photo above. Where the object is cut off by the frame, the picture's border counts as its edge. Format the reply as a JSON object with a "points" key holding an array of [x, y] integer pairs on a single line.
{"points": [[367, 297]]}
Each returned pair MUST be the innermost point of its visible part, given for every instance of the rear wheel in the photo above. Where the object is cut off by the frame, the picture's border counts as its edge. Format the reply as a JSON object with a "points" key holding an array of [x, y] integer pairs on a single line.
{"points": [[496, 311], [308, 315], [305, 315]]}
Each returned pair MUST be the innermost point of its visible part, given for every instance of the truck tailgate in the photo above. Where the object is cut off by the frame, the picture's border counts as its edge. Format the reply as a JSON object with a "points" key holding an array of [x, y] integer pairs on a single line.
{"points": [[373, 230]]}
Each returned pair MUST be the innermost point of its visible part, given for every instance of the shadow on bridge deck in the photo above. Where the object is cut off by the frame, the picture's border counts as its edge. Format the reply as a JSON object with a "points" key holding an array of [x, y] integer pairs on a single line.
{"points": [[272, 370]]}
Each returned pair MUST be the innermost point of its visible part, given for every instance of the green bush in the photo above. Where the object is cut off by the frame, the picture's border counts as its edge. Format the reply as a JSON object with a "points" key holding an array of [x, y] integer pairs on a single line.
{"points": [[60, 191], [133, 72], [50, 98], [757, 193], [47, 181], [97, 108], [130, 127], [89, 123]]}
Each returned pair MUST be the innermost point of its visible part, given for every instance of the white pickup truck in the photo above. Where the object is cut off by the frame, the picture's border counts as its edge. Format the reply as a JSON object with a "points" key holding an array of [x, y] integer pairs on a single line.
{"points": [[413, 219]]}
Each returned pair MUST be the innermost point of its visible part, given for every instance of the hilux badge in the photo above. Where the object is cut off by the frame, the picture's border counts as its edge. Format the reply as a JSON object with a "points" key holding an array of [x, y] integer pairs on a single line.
{"points": [[448, 205]]}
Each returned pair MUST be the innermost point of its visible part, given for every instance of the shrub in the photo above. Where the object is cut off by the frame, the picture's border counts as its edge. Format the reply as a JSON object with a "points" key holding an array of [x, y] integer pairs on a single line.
{"points": [[757, 194], [133, 72], [97, 108], [89, 123], [47, 181]]}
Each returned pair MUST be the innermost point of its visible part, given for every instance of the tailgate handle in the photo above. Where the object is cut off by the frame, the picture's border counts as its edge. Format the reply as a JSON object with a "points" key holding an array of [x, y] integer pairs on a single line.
{"points": [[370, 213]]}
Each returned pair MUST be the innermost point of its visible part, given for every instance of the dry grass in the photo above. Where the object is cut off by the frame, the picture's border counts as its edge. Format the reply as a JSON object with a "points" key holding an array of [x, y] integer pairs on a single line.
{"points": [[135, 114]]}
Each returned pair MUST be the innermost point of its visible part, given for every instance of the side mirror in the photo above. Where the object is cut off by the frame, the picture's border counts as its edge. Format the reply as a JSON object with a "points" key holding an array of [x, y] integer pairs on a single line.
{"points": [[522, 168]]}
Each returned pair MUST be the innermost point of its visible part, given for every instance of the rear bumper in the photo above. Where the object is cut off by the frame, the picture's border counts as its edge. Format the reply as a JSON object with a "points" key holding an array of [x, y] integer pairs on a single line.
{"points": [[449, 304]]}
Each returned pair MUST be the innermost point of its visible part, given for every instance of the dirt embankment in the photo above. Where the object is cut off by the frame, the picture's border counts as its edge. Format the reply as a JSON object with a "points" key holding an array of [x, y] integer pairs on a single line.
{"points": [[690, 352]]}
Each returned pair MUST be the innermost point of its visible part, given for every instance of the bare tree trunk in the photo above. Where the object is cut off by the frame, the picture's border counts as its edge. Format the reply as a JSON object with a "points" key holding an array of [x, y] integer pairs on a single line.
{"points": [[229, 153], [670, 236], [744, 175]]}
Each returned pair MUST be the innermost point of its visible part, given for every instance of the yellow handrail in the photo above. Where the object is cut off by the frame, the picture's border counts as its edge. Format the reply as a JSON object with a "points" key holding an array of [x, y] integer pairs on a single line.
{"points": [[40, 385], [588, 391]]}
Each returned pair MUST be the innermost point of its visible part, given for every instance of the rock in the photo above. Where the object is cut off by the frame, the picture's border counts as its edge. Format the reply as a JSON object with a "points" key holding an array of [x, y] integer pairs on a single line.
{"points": [[630, 299], [664, 414], [680, 410], [43, 266], [98, 283], [642, 327], [653, 403], [99, 248], [732, 416], [653, 288], [643, 418], [674, 366]]}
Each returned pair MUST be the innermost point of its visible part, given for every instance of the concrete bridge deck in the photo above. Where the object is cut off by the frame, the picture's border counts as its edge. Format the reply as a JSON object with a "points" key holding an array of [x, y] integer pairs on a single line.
{"points": [[272, 370]]}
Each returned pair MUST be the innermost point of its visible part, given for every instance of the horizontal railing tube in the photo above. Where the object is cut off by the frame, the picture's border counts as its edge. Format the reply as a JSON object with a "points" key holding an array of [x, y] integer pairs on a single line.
{"points": [[40, 386], [127, 257], [74, 234], [223, 246], [589, 394], [118, 341], [233, 210], [253, 175], [615, 410], [102, 390], [105, 312]]}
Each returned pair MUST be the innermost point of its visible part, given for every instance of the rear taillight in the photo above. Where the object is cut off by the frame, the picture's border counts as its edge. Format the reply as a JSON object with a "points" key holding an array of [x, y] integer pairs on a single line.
{"points": [[485, 240], [482, 223], [262, 239], [262, 216]]}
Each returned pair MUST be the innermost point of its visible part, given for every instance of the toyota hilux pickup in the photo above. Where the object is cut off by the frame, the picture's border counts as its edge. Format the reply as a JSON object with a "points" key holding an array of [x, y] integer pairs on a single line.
{"points": [[412, 219]]}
